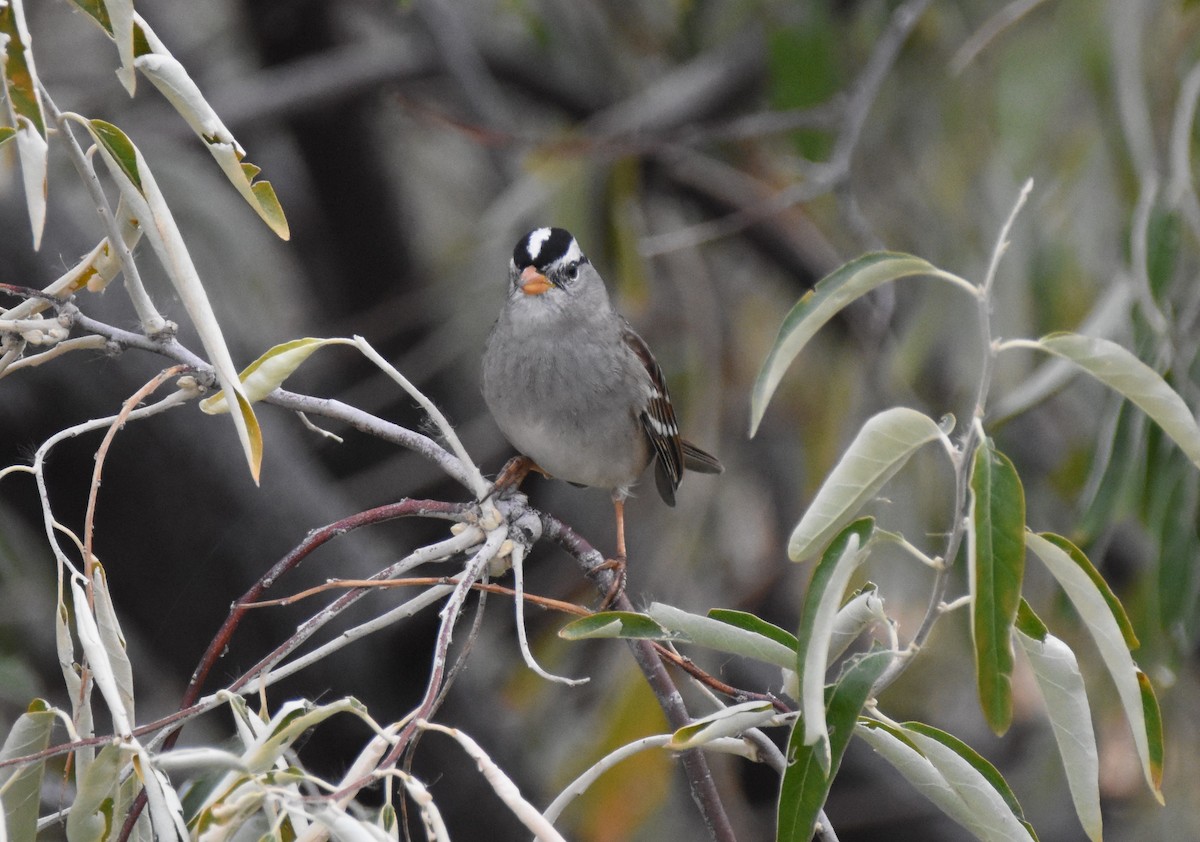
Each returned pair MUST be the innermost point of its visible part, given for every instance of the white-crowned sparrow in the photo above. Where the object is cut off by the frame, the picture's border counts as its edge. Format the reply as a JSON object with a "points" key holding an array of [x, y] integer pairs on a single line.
{"points": [[571, 385]]}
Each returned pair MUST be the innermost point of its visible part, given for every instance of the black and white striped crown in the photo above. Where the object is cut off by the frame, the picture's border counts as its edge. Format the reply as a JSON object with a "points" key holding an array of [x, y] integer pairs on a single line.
{"points": [[543, 246]]}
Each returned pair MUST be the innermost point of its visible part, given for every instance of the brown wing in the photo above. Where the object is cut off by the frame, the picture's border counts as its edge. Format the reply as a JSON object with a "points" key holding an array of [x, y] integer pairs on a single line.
{"points": [[658, 420]]}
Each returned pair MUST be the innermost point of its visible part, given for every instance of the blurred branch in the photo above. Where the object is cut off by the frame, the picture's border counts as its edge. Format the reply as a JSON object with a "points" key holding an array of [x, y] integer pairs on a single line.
{"points": [[823, 177], [990, 31]]}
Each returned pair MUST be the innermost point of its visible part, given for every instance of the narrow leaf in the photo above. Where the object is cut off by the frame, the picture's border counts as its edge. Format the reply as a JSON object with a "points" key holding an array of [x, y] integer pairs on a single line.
{"points": [[882, 446], [1109, 627], [821, 600], [1058, 676], [173, 81], [113, 640], [833, 292], [98, 660], [119, 148], [166, 812], [146, 202], [121, 29], [92, 814], [996, 551], [894, 745], [1154, 732], [268, 372], [1120, 370], [704, 631], [753, 623], [853, 618], [726, 722], [809, 775], [976, 781], [24, 105], [21, 786], [617, 624]]}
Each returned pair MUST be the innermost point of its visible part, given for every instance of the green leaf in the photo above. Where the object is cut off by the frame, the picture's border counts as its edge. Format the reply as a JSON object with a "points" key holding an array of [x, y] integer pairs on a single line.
{"points": [[21, 786], [881, 448], [821, 600], [753, 623], [621, 624], [1154, 732], [1121, 371], [140, 191], [894, 745], [25, 107], [952, 776], [120, 147], [7, 133], [91, 815], [979, 784], [1094, 586], [1163, 240], [723, 637], [812, 768], [833, 292], [268, 372], [20, 77], [996, 551], [726, 722], [1105, 620], [167, 74], [1057, 673], [96, 11]]}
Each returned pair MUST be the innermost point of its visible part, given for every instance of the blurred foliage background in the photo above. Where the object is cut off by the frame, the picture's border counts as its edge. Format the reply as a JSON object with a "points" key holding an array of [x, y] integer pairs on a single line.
{"points": [[714, 159]]}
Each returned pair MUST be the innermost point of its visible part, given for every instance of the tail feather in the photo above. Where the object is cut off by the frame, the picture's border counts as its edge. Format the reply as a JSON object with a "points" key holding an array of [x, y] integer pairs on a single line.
{"points": [[702, 462]]}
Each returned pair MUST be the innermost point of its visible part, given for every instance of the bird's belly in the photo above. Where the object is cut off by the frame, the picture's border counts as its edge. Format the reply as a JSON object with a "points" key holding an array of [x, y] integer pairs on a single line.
{"points": [[606, 453]]}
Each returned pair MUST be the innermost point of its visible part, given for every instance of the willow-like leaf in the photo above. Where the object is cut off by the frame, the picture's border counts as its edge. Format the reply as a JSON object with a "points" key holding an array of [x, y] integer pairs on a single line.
{"points": [[996, 552], [618, 624], [821, 601], [881, 448], [1061, 682], [140, 190], [21, 786], [820, 304], [809, 773], [1118, 368], [1105, 620], [268, 372], [24, 106]]}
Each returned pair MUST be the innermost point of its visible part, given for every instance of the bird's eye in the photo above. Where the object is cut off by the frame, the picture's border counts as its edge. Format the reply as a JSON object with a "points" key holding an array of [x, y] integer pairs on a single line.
{"points": [[571, 272]]}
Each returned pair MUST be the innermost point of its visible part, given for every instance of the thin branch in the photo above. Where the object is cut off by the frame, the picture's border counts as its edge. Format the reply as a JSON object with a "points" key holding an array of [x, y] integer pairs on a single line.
{"points": [[314, 539], [118, 422], [372, 425], [152, 322], [971, 439], [700, 781], [990, 31]]}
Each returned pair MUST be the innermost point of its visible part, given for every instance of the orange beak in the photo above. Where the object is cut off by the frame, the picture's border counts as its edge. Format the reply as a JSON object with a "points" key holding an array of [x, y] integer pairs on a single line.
{"points": [[533, 282]]}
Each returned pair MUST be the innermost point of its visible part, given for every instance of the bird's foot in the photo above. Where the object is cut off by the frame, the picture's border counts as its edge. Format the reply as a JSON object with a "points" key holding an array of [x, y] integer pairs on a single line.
{"points": [[617, 589], [513, 474]]}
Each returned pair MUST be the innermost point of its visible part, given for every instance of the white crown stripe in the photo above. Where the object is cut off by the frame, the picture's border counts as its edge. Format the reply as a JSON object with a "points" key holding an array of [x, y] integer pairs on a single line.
{"points": [[535, 242]]}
